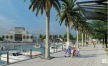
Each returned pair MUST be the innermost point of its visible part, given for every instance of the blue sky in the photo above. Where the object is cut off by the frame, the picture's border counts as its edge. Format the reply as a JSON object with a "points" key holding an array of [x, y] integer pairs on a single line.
{"points": [[15, 13]]}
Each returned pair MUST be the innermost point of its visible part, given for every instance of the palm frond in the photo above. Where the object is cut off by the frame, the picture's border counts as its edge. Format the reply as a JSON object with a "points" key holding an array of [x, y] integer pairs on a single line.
{"points": [[57, 6]]}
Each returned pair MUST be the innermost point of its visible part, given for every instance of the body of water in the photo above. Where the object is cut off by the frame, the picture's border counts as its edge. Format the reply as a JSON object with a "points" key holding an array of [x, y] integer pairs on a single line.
{"points": [[22, 47]]}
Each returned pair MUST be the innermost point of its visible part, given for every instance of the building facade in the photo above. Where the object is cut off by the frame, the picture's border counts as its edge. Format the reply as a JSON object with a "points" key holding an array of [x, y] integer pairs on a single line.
{"points": [[19, 34]]}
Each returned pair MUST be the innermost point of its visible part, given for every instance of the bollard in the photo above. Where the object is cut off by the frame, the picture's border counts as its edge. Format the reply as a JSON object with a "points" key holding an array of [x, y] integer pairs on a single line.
{"points": [[62, 47], [30, 53], [56, 48], [7, 57], [44, 51]]}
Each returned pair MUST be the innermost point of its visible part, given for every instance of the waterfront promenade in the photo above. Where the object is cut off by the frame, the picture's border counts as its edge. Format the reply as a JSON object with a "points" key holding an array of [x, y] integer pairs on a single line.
{"points": [[89, 56]]}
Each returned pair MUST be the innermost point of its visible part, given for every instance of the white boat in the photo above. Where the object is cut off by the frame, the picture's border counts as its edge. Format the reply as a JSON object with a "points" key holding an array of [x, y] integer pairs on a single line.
{"points": [[37, 46], [34, 53], [54, 49], [14, 56]]}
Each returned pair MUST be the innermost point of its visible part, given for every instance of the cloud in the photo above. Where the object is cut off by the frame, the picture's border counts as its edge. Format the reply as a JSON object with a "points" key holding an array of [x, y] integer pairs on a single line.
{"points": [[12, 9], [7, 24]]}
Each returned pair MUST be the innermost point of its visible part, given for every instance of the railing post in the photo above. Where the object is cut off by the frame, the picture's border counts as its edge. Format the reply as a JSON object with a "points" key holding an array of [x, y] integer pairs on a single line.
{"points": [[56, 48], [62, 47], [7, 57], [30, 53]]}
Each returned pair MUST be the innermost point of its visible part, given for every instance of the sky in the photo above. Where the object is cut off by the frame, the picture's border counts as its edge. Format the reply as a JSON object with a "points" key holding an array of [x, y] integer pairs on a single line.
{"points": [[16, 13]]}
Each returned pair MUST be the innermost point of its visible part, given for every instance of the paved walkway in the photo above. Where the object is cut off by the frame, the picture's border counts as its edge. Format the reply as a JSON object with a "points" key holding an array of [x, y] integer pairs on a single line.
{"points": [[90, 56]]}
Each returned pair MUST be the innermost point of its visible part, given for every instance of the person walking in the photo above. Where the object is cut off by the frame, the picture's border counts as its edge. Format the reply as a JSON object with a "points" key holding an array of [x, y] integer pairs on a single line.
{"points": [[68, 51], [94, 44]]}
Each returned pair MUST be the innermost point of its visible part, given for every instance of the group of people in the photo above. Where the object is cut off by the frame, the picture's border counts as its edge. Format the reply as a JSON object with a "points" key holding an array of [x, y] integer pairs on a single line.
{"points": [[72, 51]]}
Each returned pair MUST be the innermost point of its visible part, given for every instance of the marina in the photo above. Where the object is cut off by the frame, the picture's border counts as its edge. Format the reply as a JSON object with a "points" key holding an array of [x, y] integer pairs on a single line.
{"points": [[23, 48]]}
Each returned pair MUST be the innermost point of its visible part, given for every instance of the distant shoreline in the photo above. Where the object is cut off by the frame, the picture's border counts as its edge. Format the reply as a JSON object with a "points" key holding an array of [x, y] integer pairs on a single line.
{"points": [[10, 43]]}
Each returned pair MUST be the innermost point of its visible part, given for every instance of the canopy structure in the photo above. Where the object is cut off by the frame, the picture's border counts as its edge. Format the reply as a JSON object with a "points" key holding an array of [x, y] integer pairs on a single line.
{"points": [[94, 9]]}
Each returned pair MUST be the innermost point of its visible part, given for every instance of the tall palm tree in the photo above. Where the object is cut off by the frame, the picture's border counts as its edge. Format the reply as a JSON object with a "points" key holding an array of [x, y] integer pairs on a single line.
{"points": [[80, 22], [68, 14], [79, 29], [82, 30], [45, 5]]}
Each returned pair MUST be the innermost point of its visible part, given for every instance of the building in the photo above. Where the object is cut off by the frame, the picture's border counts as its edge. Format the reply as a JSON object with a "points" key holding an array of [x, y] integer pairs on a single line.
{"points": [[19, 34]]}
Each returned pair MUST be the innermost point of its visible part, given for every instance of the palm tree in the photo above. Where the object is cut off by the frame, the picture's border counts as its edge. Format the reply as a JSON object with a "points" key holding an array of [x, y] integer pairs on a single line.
{"points": [[80, 21], [41, 37], [82, 30], [79, 28], [68, 14], [45, 5]]}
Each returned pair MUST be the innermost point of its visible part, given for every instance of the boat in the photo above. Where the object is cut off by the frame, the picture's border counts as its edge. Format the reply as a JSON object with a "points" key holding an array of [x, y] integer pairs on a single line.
{"points": [[37, 45], [34, 53], [55, 49], [14, 56], [4, 47]]}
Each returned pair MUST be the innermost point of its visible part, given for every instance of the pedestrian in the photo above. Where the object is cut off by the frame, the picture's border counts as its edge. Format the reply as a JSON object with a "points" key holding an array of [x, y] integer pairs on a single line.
{"points": [[86, 44], [72, 49], [68, 51], [77, 52], [94, 44]]}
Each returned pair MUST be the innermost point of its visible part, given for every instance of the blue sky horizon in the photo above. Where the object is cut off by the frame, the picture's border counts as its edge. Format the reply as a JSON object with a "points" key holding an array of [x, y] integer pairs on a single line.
{"points": [[16, 13]]}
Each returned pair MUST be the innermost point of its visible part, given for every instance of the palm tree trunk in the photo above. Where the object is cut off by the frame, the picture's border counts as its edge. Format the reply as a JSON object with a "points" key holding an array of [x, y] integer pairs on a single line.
{"points": [[103, 42], [47, 50], [77, 39], [106, 40], [68, 33], [82, 40], [85, 40], [88, 39]]}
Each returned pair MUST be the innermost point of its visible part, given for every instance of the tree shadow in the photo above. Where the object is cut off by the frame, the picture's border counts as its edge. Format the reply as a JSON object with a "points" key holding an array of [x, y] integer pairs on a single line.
{"points": [[86, 56]]}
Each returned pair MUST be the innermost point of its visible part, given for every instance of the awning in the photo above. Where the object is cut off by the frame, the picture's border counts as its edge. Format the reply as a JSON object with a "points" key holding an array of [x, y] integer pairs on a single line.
{"points": [[94, 9]]}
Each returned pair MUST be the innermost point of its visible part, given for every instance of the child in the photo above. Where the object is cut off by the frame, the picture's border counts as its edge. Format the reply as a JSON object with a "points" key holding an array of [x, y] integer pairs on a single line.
{"points": [[77, 51], [72, 51]]}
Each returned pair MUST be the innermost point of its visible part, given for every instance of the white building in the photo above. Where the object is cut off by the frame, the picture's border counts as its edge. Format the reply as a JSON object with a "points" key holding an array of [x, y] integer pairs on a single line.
{"points": [[19, 34]]}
